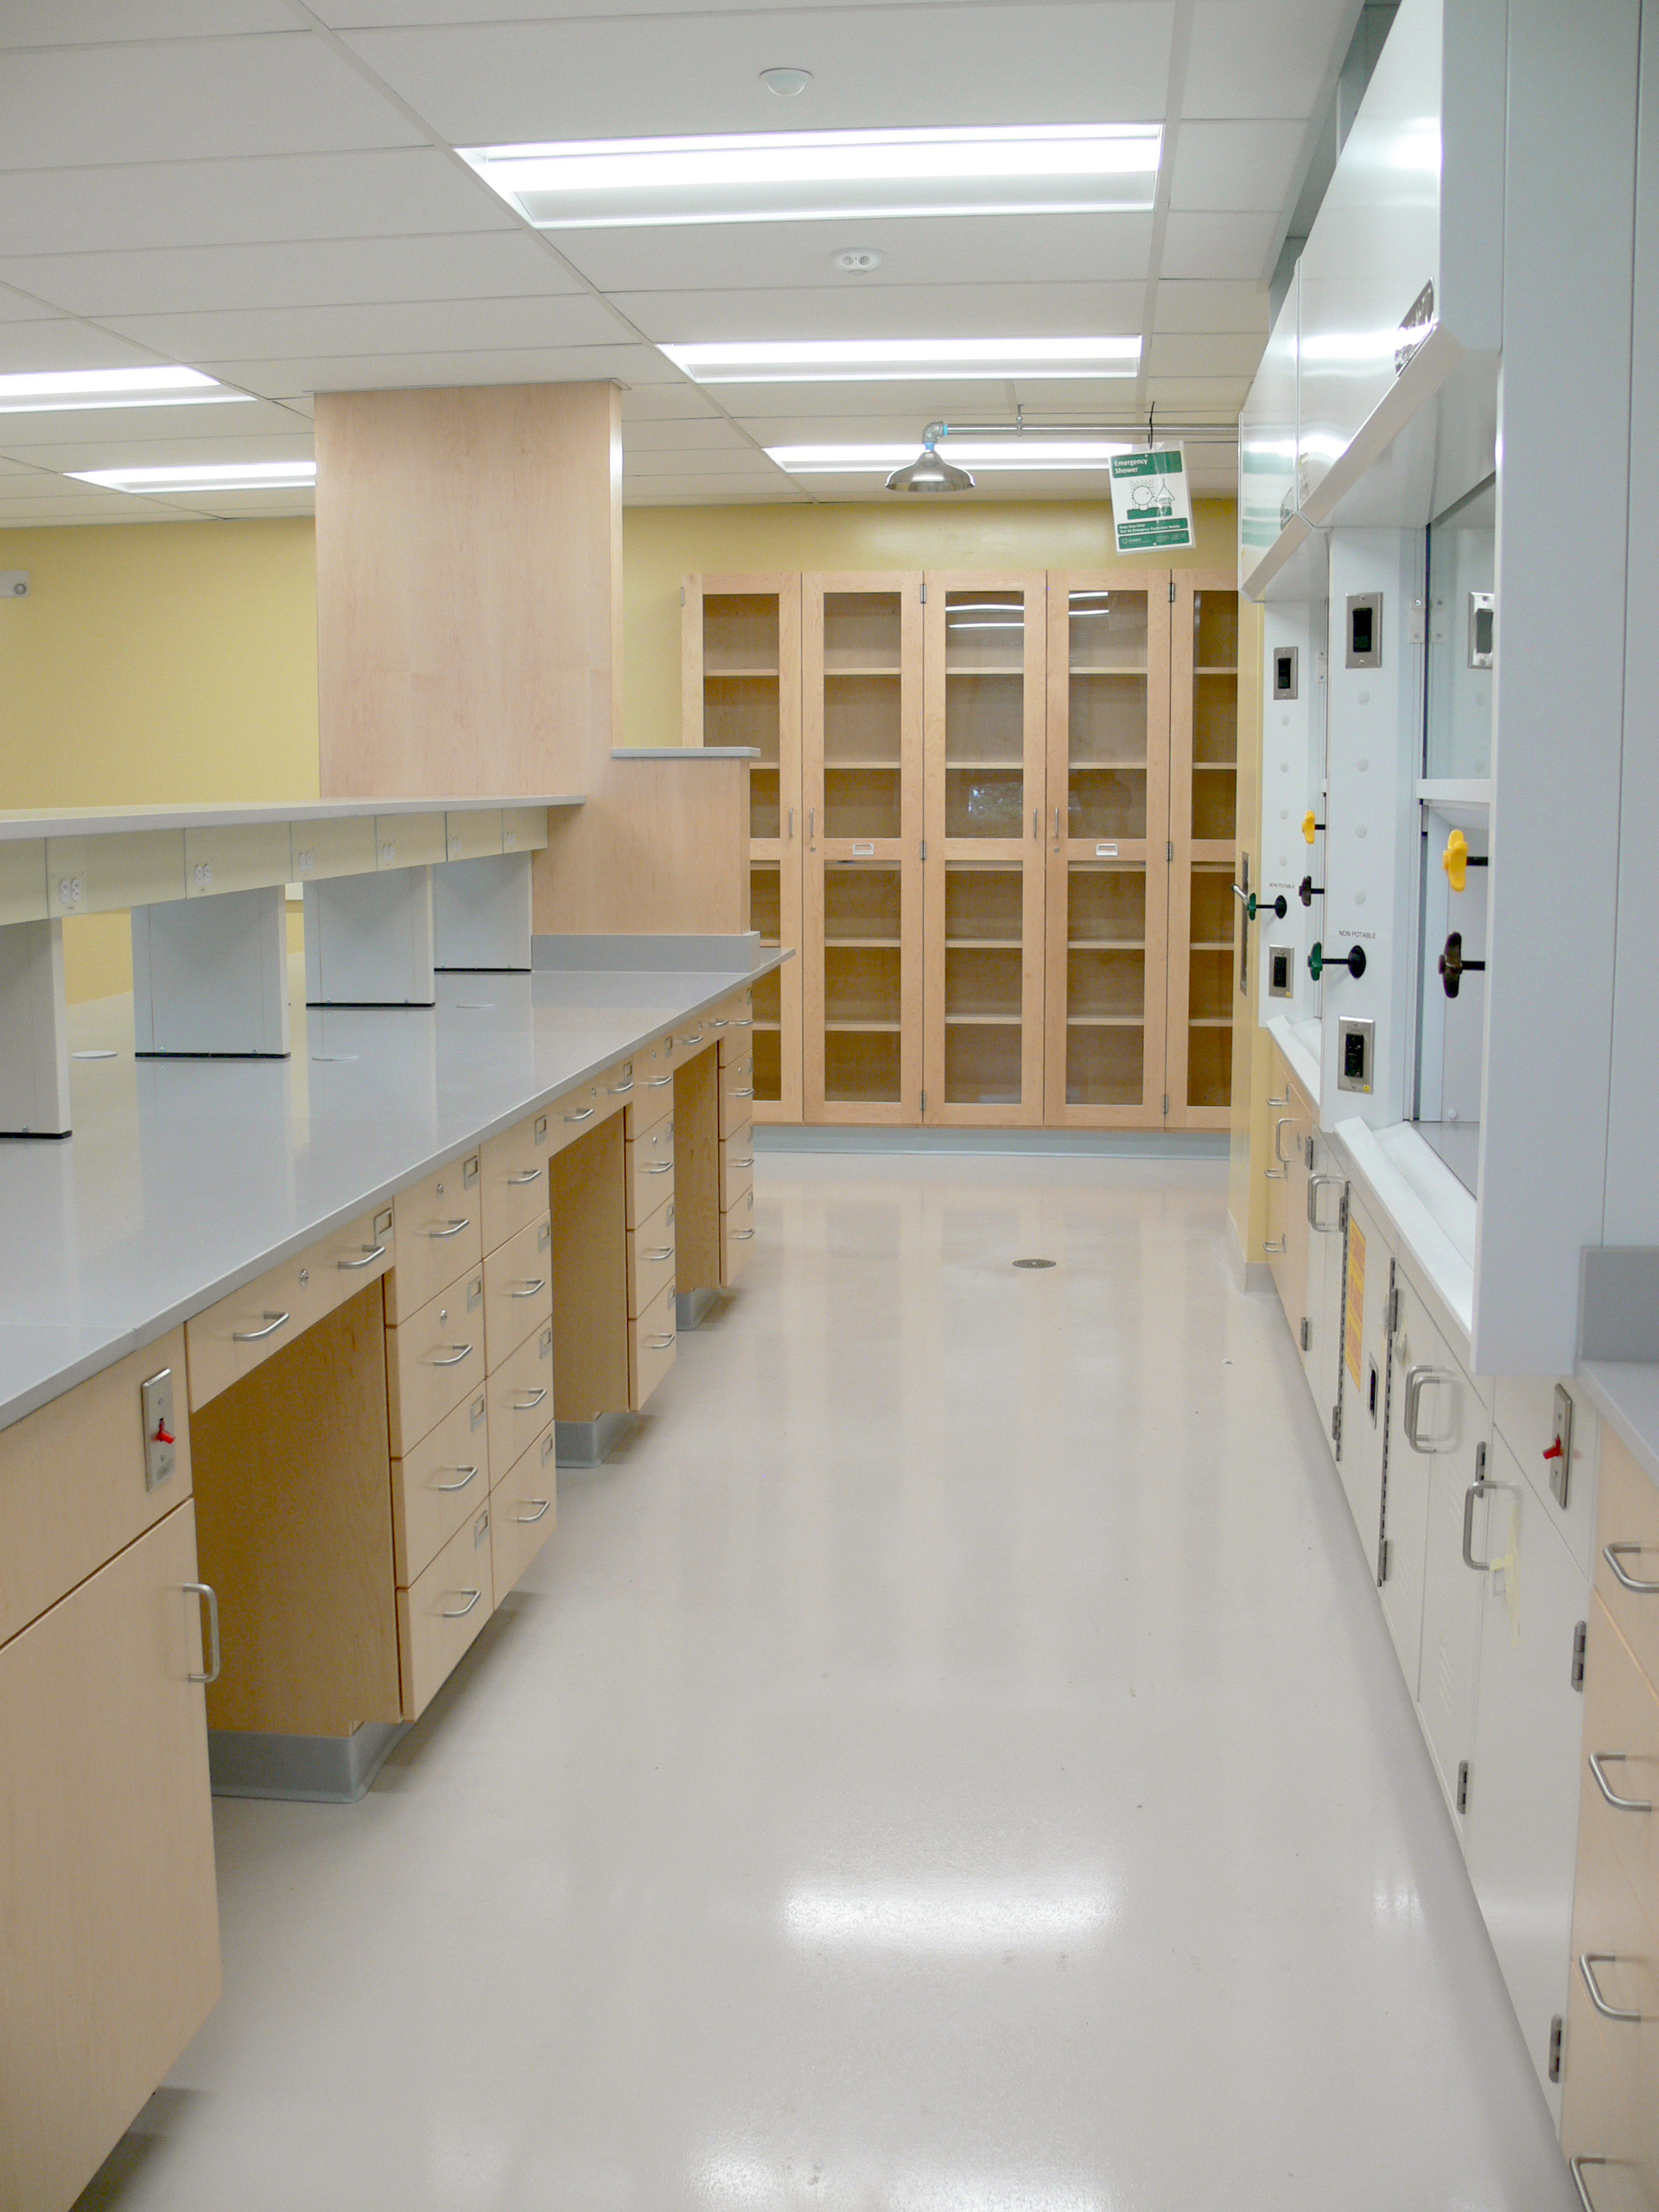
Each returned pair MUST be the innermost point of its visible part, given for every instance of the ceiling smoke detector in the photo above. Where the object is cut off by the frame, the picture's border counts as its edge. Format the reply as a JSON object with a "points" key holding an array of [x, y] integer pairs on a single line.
{"points": [[786, 83], [859, 259]]}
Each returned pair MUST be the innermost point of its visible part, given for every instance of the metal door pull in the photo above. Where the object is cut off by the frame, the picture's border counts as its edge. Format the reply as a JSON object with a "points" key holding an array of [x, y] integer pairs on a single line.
{"points": [[529, 1287], [1588, 1961], [459, 1612], [465, 1474], [1612, 1553], [530, 1175], [529, 1520], [582, 1114], [371, 1253], [529, 1405], [199, 1591], [258, 1336], [453, 1229], [1620, 1804], [457, 1353]]}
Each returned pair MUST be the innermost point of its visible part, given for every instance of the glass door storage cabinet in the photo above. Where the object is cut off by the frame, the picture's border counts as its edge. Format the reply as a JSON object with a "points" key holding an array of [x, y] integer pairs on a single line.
{"points": [[863, 705], [740, 667], [1106, 834], [987, 792], [1204, 779]]}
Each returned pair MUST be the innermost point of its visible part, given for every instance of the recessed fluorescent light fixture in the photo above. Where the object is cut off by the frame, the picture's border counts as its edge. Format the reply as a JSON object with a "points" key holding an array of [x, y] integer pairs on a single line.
{"points": [[887, 360], [63, 391], [205, 476], [795, 177], [1027, 453]]}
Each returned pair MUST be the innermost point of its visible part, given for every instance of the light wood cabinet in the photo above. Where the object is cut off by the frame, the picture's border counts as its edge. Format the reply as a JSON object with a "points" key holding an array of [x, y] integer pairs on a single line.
{"points": [[109, 1940], [1204, 782]]}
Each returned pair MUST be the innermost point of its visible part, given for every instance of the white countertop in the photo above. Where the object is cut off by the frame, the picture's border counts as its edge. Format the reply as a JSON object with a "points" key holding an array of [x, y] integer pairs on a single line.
{"points": [[1627, 1394], [1299, 1043], [1429, 1212], [187, 1178]]}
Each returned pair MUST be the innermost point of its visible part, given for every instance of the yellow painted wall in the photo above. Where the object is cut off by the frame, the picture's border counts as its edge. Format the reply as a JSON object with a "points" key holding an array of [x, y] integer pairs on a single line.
{"points": [[155, 662], [661, 545]]}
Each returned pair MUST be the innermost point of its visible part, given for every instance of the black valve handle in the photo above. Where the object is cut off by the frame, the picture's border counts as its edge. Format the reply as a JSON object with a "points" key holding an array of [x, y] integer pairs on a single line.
{"points": [[1307, 891], [1453, 967], [1353, 960]]}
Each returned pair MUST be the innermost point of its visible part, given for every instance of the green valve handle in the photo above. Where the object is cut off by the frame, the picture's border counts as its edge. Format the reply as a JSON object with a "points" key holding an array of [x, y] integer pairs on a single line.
{"points": [[1253, 906], [1353, 960]]}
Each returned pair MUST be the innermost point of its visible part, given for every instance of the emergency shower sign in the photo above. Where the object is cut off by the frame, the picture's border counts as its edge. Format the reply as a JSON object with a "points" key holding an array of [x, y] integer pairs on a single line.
{"points": [[1152, 501]]}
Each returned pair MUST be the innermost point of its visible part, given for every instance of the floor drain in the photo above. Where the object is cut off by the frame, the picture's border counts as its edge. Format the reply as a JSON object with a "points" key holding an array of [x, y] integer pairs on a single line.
{"points": [[1034, 1263]]}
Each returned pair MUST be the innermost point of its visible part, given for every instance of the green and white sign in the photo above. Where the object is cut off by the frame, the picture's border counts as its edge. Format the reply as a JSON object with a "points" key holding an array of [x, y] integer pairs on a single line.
{"points": [[1152, 501]]}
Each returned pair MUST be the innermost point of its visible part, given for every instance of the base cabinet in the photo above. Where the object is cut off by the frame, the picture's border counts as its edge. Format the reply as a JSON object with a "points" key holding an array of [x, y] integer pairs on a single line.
{"points": [[106, 1832]]}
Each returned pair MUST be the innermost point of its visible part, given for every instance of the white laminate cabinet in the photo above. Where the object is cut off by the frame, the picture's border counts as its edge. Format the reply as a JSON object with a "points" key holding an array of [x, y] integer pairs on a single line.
{"points": [[1368, 1278], [1456, 1534], [1324, 1210], [1404, 1533], [1521, 1823]]}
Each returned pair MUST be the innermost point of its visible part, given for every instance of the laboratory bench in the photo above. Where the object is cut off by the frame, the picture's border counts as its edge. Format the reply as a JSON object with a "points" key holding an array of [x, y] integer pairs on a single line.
{"points": [[290, 1349]]}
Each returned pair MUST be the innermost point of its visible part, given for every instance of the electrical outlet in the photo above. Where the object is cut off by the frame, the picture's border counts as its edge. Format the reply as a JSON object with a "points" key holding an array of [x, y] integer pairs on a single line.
{"points": [[1281, 972], [1286, 672], [1355, 1046], [1364, 632]]}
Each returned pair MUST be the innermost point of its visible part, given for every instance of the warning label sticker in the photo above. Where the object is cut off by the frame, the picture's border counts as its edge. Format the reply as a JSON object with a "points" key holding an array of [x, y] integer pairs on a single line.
{"points": [[1354, 1328], [1152, 501]]}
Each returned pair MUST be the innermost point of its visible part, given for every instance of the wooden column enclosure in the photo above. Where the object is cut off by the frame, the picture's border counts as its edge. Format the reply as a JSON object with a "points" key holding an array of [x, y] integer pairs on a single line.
{"points": [[469, 629]]}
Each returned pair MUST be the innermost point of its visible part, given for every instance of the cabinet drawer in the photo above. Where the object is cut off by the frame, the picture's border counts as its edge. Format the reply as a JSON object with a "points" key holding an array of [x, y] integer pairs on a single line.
{"points": [[693, 1038], [1627, 1525], [342, 1263], [434, 1360], [518, 1289], [651, 1173], [72, 1481], [650, 1259], [736, 1166], [521, 1397], [737, 1038], [523, 1512], [652, 1100], [513, 1179], [231, 1339], [651, 1347], [1620, 1732], [442, 1483], [437, 1225], [1612, 2065], [441, 1611], [736, 1093], [737, 1237]]}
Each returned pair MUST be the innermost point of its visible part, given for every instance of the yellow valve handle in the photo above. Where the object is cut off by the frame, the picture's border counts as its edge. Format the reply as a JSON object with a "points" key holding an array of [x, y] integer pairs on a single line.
{"points": [[1455, 860], [1309, 826]]}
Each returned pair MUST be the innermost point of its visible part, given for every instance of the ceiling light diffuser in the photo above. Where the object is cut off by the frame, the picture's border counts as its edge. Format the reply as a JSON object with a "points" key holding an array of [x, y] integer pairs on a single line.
{"points": [[1027, 453], [205, 476], [64, 390], [825, 175], [887, 360]]}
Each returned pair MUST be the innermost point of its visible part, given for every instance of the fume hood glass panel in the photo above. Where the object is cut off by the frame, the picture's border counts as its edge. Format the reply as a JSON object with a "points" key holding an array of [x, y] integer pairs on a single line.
{"points": [[1107, 641], [984, 714], [1451, 1030], [1461, 651]]}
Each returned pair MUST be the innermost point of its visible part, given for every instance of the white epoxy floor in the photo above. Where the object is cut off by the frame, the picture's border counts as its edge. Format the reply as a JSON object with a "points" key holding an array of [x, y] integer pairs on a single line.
{"points": [[953, 1763]]}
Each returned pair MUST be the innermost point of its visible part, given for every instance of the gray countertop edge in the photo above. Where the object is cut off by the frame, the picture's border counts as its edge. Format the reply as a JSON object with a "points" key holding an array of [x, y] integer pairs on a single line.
{"points": [[100, 822], [64, 1376], [1626, 1394]]}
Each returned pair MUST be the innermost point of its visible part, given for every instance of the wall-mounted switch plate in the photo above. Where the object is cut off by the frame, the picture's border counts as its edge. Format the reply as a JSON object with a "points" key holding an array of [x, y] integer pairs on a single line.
{"points": [[160, 1436], [1281, 972], [1560, 1450], [1355, 1050], [1286, 671], [1482, 622], [1363, 635]]}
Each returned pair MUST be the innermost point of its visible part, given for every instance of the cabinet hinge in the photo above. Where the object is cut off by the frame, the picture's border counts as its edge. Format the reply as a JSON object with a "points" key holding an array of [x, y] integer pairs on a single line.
{"points": [[1165, 1105], [1308, 1334], [1172, 591], [682, 594], [1169, 848], [924, 849], [924, 1102], [923, 594], [1336, 1427], [1393, 1313], [1463, 1785], [1581, 1638], [1382, 1561], [1555, 2048]]}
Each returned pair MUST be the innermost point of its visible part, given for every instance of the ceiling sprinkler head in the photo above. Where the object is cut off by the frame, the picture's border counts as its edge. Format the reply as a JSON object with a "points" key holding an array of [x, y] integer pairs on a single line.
{"points": [[786, 83], [859, 259]]}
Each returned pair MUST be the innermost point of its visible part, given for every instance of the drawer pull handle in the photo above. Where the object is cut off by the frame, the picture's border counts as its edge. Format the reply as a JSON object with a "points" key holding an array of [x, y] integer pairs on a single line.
{"points": [[658, 1082], [529, 1405], [746, 1021], [741, 1235], [1274, 1244], [371, 1253], [274, 1321], [663, 1167], [529, 1520], [739, 1164], [1620, 1804], [453, 1229], [465, 1474], [722, 1024], [1472, 1496], [1612, 1553], [1576, 2166], [582, 1114], [457, 1353], [530, 1175], [749, 1093], [199, 1591], [1315, 1184], [1278, 1102], [620, 1090], [459, 1612], [1275, 1174], [1588, 1961], [693, 1038], [1279, 1159], [1418, 1380], [665, 1252], [531, 1286], [659, 1344]]}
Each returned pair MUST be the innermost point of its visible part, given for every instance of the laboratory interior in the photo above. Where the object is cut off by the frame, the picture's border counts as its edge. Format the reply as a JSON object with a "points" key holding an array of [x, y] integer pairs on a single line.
{"points": [[829, 1172]]}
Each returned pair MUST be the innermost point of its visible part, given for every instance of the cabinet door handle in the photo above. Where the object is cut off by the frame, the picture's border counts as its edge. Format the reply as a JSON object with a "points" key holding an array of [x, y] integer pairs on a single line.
{"points": [[274, 1321], [791, 822], [1620, 1804], [371, 1253], [1417, 1381], [1271, 1244], [740, 1164], [1472, 1496], [1278, 1102], [465, 1474], [748, 1093], [1283, 1122], [1612, 1553], [459, 1612], [659, 1344], [529, 1520], [1057, 828], [1036, 822], [581, 1114], [458, 1352], [811, 823], [663, 1252], [530, 1175], [663, 1167], [531, 1287], [1576, 2167], [1588, 1961], [1315, 1184], [453, 1229], [741, 1235], [658, 1082], [199, 1591], [620, 1089], [529, 1405]]}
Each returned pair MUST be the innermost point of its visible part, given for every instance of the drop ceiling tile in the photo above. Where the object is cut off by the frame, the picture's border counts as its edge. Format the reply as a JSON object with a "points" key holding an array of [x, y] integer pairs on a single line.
{"points": [[412, 326], [1263, 57], [666, 403], [1084, 399], [409, 190], [310, 273], [1215, 305], [1073, 310], [744, 462], [17, 307], [682, 435], [131, 429], [278, 379], [1233, 166], [1214, 353], [1234, 247], [187, 99], [380, 15], [923, 400], [491, 84], [712, 491], [93, 23], [977, 249], [1211, 399], [70, 453], [836, 429], [258, 506], [61, 343]]}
